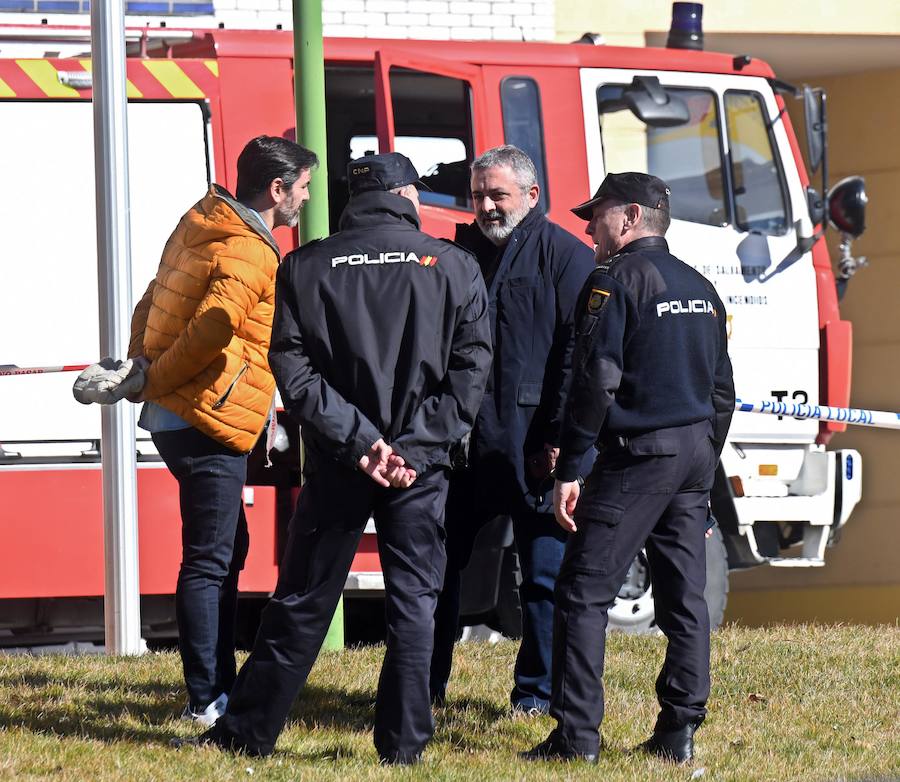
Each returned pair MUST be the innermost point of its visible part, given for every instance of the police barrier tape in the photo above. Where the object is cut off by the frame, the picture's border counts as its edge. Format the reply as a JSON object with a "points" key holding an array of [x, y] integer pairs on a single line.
{"points": [[843, 415], [12, 369]]}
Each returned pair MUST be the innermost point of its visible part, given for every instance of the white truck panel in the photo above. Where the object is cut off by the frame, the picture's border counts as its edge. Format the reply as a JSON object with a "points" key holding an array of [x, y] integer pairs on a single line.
{"points": [[763, 373], [48, 301]]}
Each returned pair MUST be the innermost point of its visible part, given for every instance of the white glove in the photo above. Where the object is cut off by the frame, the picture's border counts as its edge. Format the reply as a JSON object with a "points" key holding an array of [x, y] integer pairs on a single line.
{"points": [[108, 381]]}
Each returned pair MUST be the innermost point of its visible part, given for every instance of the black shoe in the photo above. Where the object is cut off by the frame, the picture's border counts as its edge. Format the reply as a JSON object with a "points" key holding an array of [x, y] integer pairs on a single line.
{"points": [[550, 749], [520, 710], [676, 745], [220, 740], [401, 759], [206, 739]]}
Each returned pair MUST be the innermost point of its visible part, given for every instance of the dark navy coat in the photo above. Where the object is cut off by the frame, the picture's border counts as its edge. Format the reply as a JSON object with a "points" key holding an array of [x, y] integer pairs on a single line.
{"points": [[532, 298]]}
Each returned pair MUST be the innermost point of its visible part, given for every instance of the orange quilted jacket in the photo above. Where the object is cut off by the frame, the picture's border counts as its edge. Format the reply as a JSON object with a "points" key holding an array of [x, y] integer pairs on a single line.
{"points": [[205, 322]]}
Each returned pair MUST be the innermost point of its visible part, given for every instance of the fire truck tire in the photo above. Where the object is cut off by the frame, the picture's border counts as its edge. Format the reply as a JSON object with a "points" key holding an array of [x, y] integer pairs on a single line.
{"points": [[633, 611], [716, 592]]}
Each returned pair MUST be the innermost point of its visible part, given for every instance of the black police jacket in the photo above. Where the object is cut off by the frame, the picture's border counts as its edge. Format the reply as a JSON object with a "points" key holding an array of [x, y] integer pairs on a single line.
{"points": [[652, 352], [380, 331], [532, 299]]}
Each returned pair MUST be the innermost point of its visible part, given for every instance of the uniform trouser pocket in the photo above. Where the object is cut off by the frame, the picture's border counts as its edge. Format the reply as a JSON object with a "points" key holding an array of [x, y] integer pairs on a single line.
{"points": [[651, 475], [590, 548], [704, 466]]}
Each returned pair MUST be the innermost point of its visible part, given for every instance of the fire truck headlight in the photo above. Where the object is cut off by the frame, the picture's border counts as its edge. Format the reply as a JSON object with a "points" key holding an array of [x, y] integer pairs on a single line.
{"points": [[847, 202]]}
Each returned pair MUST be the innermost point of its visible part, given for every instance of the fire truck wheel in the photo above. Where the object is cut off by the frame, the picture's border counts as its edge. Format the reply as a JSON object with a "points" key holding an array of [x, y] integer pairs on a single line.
{"points": [[633, 611], [716, 593]]}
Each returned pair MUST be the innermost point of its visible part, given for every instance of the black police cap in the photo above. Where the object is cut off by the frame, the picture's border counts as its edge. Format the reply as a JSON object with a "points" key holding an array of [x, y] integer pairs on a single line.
{"points": [[629, 187], [381, 172]]}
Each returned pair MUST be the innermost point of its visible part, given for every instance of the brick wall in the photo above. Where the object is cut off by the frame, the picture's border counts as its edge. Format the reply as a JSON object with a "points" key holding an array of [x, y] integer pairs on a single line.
{"points": [[439, 19], [515, 20]]}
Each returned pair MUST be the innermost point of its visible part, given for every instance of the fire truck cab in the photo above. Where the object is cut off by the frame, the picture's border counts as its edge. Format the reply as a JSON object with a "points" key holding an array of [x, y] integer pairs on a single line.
{"points": [[714, 126]]}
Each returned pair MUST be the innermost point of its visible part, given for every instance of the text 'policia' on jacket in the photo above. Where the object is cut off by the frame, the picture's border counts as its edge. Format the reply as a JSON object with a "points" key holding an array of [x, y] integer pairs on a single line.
{"points": [[206, 319], [390, 318], [652, 352]]}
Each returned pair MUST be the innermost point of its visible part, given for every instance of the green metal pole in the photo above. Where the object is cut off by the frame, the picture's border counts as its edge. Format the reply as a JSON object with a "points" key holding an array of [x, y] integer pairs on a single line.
{"points": [[309, 89]]}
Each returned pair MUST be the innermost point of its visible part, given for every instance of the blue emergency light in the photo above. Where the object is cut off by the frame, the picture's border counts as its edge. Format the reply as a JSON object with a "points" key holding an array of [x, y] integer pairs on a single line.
{"points": [[686, 30]]}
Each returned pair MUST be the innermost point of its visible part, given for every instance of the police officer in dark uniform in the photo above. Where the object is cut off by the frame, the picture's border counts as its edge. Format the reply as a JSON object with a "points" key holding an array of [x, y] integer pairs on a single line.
{"points": [[380, 348], [653, 388]]}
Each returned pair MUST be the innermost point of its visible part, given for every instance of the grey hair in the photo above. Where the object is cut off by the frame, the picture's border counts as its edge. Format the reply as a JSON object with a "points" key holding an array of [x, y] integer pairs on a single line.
{"points": [[655, 221], [514, 159]]}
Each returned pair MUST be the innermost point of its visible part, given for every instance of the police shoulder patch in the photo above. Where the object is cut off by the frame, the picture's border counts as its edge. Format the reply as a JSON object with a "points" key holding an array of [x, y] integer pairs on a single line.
{"points": [[596, 300]]}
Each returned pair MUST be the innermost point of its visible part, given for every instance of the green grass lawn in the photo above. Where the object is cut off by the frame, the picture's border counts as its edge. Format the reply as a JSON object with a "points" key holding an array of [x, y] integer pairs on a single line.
{"points": [[788, 703]]}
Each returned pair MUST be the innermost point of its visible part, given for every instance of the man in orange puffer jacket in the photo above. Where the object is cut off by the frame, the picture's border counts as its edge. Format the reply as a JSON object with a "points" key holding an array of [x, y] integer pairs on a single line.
{"points": [[201, 333]]}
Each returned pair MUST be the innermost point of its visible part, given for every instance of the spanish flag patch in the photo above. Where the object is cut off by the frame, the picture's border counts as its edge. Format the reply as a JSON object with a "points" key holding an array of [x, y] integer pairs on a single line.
{"points": [[596, 300], [428, 260]]}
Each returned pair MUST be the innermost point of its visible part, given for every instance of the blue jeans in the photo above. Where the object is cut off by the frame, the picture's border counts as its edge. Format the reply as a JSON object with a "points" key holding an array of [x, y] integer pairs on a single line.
{"points": [[214, 543], [541, 543]]}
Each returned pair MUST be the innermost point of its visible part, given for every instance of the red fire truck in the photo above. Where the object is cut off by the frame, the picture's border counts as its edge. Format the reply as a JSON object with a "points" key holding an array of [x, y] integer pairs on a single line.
{"points": [[713, 125]]}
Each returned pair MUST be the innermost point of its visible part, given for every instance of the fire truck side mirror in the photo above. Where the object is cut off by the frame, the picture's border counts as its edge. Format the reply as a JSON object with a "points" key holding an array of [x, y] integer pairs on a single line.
{"points": [[846, 205], [814, 112], [652, 105]]}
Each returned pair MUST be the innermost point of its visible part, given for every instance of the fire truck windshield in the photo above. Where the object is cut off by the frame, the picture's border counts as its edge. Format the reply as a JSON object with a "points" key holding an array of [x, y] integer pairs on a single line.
{"points": [[686, 156], [689, 157]]}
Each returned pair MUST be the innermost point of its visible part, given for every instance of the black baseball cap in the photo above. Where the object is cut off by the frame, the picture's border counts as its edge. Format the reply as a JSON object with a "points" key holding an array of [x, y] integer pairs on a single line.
{"points": [[382, 172], [629, 187]]}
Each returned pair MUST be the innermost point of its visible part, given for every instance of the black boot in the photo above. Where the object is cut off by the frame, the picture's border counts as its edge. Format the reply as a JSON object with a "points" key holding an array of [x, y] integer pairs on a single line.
{"points": [[216, 737], [552, 749], [676, 744], [208, 738], [401, 759]]}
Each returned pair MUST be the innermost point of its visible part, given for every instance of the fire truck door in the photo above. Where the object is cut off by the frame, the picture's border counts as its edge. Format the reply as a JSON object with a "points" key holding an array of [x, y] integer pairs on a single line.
{"points": [[433, 111]]}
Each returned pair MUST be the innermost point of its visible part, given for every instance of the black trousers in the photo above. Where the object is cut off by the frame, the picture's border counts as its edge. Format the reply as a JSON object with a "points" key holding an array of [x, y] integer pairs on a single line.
{"points": [[332, 512], [653, 492]]}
